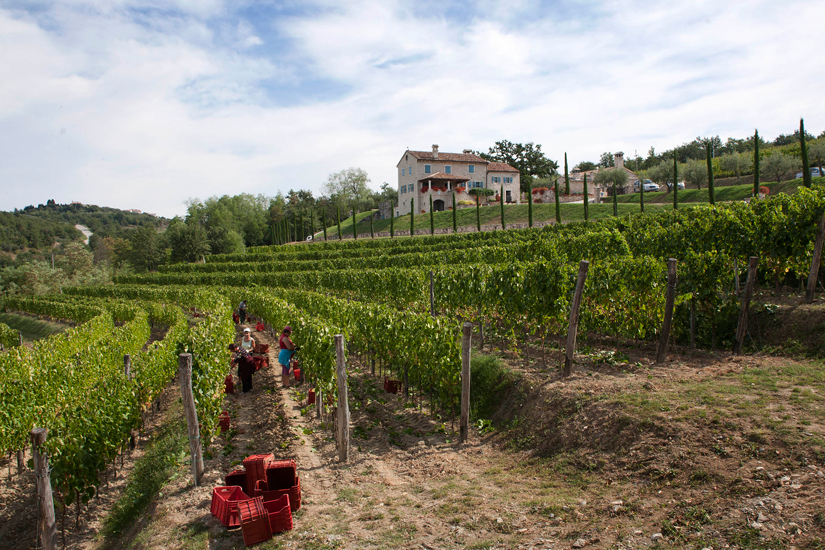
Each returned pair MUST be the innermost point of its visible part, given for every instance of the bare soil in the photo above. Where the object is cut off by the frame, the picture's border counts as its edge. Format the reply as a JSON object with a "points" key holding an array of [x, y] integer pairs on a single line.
{"points": [[703, 451]]}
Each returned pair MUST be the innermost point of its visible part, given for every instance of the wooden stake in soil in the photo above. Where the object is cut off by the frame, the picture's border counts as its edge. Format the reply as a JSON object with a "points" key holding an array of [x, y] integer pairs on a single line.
{"points": [[20, 338], [742, 327], [343, 404], [812, 277], [127, 366], [573, 327], [319, 405], [45, 502], [185, 375], [671, 296], [464, 425]]}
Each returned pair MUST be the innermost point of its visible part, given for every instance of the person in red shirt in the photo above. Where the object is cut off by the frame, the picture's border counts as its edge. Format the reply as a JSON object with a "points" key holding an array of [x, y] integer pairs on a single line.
{"points": [[284, 356]]}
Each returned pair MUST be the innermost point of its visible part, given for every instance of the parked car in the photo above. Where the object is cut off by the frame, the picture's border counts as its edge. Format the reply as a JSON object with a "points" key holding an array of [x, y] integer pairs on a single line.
{"points": [[815, 173], [680, 185], [650, 186]]}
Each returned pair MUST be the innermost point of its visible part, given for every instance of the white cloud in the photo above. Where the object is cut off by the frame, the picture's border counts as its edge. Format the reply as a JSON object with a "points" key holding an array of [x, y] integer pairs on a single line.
{"points": [[144, 104]]}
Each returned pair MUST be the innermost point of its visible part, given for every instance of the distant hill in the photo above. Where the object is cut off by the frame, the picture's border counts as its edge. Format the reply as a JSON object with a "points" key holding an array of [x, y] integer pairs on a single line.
{"points": [[41, 226]]}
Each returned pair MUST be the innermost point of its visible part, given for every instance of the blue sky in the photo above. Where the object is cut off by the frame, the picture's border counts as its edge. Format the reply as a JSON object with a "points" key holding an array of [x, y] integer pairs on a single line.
{"points": [[145, 104]]}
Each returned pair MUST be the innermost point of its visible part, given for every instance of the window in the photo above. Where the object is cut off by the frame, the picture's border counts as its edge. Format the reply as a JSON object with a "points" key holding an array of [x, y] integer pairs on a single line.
{"points": [[402, 171], [427, 169], [448, 169], [403, 188], [472, 169], [508, 180], [496, 179]]}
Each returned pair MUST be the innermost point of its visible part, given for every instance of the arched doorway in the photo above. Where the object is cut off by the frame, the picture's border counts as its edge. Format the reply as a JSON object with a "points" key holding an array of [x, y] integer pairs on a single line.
{"points": [[438, 205]]}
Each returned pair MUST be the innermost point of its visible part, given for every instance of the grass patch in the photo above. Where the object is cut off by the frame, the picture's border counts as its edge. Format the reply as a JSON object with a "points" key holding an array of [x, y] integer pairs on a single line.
{"points": [[153, 470], [489, 379], [32, 329]]}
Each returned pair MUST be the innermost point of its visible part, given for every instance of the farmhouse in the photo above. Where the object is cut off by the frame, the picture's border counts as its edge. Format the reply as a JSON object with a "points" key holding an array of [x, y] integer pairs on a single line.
{"points": [[577, 179], [425, 174]]}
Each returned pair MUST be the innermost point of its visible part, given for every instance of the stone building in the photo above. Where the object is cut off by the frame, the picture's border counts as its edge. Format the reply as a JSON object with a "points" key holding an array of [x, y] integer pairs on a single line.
{"points": [[425, 174]]}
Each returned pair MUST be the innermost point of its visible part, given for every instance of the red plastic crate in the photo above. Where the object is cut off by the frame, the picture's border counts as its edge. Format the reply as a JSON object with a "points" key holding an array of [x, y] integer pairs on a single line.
{"points": [[225, 502], [264, 348], [238, 477], [280, 514], [311, 396], [281, 474], [223, 420], [391, 386], [294, 493], [254, 521], [256, 468], [260, 328]]}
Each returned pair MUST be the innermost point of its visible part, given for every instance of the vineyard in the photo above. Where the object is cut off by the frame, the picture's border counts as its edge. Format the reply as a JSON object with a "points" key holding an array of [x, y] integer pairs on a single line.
{"points": [[399, 303]]}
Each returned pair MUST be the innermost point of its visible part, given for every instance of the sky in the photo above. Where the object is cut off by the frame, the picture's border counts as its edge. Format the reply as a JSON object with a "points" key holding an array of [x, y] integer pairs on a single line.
{"points": [[147, 104]]}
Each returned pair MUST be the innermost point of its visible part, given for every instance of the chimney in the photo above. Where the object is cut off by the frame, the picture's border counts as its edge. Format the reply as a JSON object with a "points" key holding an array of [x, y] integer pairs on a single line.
{"points": [[618, 159], [435, 152], [467, 151]]}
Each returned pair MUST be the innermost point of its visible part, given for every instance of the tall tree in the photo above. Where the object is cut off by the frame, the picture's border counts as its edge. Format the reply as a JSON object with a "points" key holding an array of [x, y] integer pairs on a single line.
{"points": [[354, 225], [586, 198], [695, 173], [392, 219], [338, 218], [566, 176], [349, 186], [455, 215], [503, 225], [527, 158], [412, 218], [803, 147], [711, 196], [478, 213], [756, 163], [779, 167], [558, 207], [372, 231], [324, 213], [737, 163], [642, 178], [432, 217]]}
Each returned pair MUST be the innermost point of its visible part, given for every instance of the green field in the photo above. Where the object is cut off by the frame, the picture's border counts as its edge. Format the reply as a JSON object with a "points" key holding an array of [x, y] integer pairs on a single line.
{"points": [[727, 193]]}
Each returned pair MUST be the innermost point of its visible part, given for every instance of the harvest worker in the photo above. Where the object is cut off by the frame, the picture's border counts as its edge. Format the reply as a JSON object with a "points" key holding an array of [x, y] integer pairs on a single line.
{"points": [[287, 349], [245, 366], [248, 343], [242, 311]]}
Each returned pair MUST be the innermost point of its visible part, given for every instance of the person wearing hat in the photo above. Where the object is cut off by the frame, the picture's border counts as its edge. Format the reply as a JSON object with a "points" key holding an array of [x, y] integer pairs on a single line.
{"points": [[287, 349], [245, 364], [248, 343]]}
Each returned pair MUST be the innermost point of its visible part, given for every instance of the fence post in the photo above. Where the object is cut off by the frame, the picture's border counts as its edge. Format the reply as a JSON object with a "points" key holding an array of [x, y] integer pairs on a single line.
{"points": [[742, 327], [464, 425], [343, 404], [671, 296], [45, 502], [573, 327], [127, 366], [185, 374], [814, 274], [319, 405], [20, 338]]}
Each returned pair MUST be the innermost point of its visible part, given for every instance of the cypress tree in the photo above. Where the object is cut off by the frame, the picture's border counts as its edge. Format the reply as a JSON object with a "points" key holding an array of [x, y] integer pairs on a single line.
{"points": [[711, 196], [354, 225], [586, 199], [478, 213], [312, 223], [299, 232], [530, 204], [432, 217], [806, 168], [455, 215], [675, 182], [558, 205], [566, 177], [756, 163], [372, 231], [615, 201], [338, 218], [503, 226], [412, 217], [325, 223], [392, 220]]}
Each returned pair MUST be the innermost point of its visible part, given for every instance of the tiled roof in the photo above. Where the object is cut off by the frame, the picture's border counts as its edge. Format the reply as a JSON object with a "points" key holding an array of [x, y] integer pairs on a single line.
{"points": [[500, 167], [449, 157], [441, 176]]}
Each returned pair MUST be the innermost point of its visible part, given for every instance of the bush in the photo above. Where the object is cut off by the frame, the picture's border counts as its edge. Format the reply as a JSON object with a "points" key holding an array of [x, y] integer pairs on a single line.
{"points": [[489, 380]]}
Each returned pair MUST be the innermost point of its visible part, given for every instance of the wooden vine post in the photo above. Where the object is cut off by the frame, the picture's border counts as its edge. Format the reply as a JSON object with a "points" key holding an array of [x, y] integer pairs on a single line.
{"points": [[814, 274], [664, 336], [343, 404], [573, 327], [20, 338], [464, 424], [127, 366], [185, 375], [45, 501], [742, 327]]}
